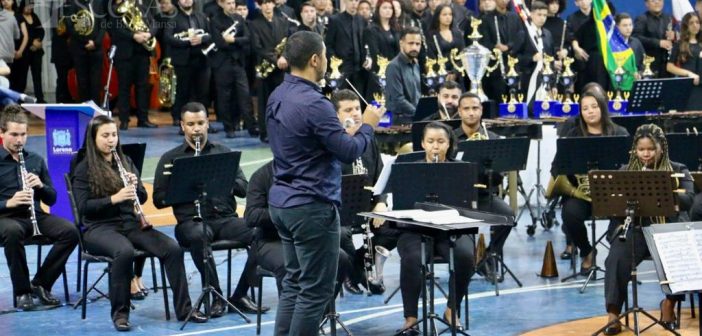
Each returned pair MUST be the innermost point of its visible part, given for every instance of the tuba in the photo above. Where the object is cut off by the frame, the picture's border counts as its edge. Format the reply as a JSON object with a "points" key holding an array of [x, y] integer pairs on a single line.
{"points": [[132, 18], [562, 186], [265, 68], [84, 21], [166, 83]]}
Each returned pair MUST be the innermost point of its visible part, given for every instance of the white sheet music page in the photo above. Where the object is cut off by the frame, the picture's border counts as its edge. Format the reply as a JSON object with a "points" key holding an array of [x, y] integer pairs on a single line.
{"points": [[680, 256]]}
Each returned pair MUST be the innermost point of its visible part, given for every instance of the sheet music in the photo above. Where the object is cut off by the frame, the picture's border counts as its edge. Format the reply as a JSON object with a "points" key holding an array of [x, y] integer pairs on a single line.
{"points": [[384, 176], [434, 217], [680, 258]]}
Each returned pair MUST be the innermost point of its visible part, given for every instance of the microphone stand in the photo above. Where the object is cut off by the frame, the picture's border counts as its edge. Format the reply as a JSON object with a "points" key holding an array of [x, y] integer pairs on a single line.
{"points": [[106, 98]]}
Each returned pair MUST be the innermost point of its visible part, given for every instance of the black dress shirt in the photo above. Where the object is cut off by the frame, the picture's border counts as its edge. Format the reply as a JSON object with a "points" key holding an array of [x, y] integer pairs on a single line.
{"points": [[99, 210], [213, 207], [10, 183]]}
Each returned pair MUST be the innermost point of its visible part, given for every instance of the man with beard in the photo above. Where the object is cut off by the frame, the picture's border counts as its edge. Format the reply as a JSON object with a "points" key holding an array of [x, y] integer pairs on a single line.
{"points": [[403, 87]]}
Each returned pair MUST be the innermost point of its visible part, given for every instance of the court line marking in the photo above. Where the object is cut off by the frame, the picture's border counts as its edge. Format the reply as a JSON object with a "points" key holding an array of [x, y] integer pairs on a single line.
{"points": [[396, 308]]}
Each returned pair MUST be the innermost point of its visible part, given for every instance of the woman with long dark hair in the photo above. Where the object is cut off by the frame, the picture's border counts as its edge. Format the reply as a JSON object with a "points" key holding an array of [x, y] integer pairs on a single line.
{"points": [[106, 207], [649, 151], [686, 58]]}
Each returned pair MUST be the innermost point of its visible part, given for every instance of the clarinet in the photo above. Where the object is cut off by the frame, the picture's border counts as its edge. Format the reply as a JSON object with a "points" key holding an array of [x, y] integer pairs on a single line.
{"points": [[138, 211], [25, 187]]}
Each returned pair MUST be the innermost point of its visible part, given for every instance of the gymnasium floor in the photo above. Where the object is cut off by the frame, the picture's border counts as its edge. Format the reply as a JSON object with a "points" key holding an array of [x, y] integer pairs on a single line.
{"points": [[517, 310]]}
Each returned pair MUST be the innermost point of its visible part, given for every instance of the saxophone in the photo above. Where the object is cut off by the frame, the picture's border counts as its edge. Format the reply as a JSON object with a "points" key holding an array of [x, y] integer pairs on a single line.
{"points": [[166, 83], [132, 18], [265, 68]]}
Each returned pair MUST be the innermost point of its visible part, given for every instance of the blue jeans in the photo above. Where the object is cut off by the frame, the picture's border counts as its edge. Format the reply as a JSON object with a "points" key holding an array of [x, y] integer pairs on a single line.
{"points": [[310, 237]]}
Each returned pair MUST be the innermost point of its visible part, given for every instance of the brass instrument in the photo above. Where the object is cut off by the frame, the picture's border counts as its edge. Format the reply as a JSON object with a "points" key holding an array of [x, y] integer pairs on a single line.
{"points": [[190, 33], [229, 31], [138, 211], [166, 83], [265, 68], [84, 21], [24, 174], [562, 186], [132, 18]]}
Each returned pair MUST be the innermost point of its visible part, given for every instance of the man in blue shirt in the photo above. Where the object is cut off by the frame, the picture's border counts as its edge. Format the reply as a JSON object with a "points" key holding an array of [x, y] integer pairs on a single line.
{"points": [[308, 145]]}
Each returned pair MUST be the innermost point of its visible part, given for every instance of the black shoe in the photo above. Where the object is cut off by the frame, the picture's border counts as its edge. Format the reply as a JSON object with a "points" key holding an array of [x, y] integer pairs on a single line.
{"points": [[25, 302], [123, 126], [146, 124], [122, 324], [138, 296], [198, 317], [212, 130], [352, 288], [45, 296], [254, 132], [217, 309], [231, 135], [613, 329], [246, 305]]}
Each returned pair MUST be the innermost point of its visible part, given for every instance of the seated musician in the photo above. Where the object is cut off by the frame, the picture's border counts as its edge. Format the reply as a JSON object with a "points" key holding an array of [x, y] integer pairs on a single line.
{"points": [[470, 110], [15, 218], [449, 92], [649, 152], [218, 213], [267, 244], [107, 209], [594, 120], [438, 141], [348, 109]]}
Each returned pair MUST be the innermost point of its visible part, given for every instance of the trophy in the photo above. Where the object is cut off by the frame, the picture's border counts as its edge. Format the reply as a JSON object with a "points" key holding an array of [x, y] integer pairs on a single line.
{"points": [[647, 73], [474, 60], [334, 64], [382, 66]]}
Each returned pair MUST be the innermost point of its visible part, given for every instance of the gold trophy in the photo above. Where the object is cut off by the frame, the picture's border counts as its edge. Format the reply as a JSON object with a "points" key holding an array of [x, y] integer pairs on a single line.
{"points": [[648, 73]]}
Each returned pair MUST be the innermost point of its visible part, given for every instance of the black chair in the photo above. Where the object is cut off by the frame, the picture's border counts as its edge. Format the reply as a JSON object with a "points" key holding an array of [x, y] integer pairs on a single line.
{"points": [[89, 258], [260, 274], [39, 242]]}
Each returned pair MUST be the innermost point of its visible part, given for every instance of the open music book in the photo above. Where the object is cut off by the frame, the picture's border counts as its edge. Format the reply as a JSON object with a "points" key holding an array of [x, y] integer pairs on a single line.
{"points": [[681, 257], [434, 217]]}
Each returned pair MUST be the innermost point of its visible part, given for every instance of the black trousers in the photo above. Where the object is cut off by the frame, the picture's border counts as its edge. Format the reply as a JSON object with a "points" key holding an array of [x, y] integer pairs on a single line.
{"points": [[265, 88], [233, 100], [62, 93], [119, 244], [574, 214], [498, 234], [14, 231], [189, 235], [192, 84], [411, 282], [89, 75], [31, 60], [618, 266], [133, 72]]}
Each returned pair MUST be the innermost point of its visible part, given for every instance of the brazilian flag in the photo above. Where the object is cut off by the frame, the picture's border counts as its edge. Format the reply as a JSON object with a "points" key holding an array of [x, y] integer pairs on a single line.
{"points": [[618, 56]]}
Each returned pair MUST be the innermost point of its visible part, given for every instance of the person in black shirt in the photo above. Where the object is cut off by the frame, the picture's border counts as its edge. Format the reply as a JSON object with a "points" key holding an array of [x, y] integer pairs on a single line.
{"points": [[86, 48], [686, 58], [186, 53], [655, 30], [219, 213], [16, 196], [105, 199], [34, 52], [268, 30], [228, 63], [438, 142]]}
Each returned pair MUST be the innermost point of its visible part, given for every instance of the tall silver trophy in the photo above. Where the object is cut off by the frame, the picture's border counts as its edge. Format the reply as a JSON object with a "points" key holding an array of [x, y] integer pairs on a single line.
{"points": [[475, 59]]}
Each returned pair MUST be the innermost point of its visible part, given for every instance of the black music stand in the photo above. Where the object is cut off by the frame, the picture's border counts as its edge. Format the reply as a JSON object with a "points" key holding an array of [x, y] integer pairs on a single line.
{"points": [[579, 155], [194, 179], [686, 148], [433, 183], [660, 95], [632, 194], [418, 130], [496, 156]]}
